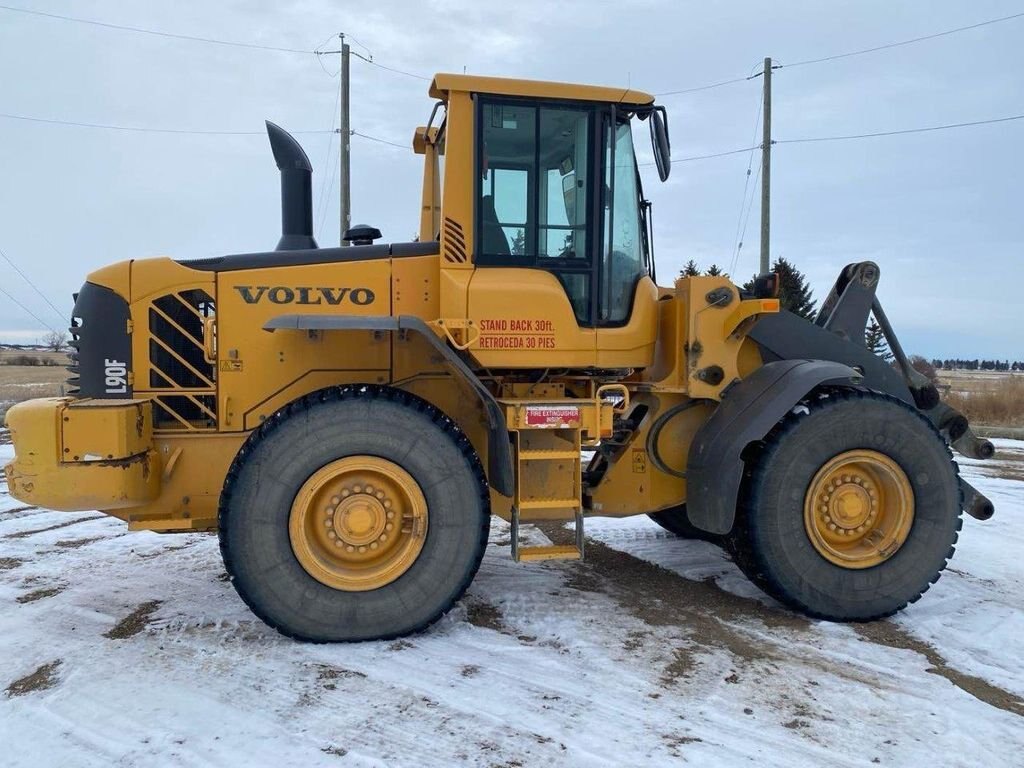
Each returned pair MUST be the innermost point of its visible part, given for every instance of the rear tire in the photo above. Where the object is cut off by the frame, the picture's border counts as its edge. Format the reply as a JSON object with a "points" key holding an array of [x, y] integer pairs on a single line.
{"points": [[785, 538], [267, 531]]}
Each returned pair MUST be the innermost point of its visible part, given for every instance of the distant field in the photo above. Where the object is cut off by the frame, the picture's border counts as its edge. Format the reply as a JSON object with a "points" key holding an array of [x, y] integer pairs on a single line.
{"points": [[985, 397], [45, 357], [24, 382]]}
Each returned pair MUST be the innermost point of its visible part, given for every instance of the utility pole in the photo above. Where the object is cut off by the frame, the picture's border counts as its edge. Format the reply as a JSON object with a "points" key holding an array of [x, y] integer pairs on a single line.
{"points": [[344, 141], [766, 168]]}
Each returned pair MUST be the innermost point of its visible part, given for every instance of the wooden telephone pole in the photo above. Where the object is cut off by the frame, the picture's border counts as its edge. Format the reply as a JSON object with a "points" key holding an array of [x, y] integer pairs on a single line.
{"points": [[344, 142], [766, 168]]}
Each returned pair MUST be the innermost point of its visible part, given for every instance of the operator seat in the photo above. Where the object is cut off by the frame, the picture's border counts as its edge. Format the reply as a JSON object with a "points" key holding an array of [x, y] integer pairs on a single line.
{"points": [[494, 241]]}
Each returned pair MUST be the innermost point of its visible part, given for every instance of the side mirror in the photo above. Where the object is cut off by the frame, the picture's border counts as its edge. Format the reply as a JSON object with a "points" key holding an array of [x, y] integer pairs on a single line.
{"points": [[660, 142]]}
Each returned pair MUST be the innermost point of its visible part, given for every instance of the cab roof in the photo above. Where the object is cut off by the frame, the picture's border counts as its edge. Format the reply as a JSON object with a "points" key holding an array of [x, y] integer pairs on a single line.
{"points": [[445, 83]]}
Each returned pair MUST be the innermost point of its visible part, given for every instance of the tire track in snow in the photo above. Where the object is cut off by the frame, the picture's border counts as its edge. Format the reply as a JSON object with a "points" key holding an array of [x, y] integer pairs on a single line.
{"points": [[715, 615]]}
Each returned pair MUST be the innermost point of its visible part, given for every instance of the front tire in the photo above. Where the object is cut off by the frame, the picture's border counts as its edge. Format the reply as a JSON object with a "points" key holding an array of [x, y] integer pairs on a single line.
{"points": [[851, 509], [354, 514], [677, 522]]}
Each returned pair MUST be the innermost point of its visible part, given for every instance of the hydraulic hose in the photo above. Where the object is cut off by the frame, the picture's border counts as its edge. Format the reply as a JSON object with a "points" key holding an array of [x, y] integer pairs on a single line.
{"points": [[655, 431]]}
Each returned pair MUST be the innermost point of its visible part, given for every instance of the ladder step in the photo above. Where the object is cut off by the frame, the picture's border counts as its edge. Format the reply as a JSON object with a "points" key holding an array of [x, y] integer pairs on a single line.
{"points": [[547, 453], [570, 552], [549, 504]]}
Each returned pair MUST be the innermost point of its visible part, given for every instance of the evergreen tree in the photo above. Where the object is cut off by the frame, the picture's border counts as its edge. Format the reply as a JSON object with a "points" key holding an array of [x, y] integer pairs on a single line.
{"points": [[794, 292], [690, 270], [714, 271], [519, 243], [874, 339]]}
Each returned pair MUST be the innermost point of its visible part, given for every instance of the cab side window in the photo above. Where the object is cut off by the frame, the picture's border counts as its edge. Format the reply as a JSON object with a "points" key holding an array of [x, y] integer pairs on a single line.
{"points": [[534, 165]]}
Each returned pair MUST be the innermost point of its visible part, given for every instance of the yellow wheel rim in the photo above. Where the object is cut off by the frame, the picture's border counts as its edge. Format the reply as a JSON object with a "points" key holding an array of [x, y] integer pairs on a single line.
{"points": [[358, 523], [859, 509]]}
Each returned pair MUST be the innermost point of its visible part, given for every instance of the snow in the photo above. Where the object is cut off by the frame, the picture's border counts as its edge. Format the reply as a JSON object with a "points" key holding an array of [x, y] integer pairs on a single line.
{"points": [[654, 651]]}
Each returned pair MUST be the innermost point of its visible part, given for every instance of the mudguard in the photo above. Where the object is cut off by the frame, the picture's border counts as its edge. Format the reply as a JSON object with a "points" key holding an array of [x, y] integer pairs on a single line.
{"points": [[747, 413]]}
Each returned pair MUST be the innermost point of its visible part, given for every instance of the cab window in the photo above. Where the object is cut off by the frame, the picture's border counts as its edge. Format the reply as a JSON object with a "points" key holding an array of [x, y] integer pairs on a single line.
{"points": [[534, 189]]}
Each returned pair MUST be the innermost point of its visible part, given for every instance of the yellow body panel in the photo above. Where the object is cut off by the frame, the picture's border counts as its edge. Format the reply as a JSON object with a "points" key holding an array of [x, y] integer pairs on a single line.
{"points": [[260, 370], [116, 277], [92, 430], [525, 320], [47, 474], [632, 345], [445, 84]]}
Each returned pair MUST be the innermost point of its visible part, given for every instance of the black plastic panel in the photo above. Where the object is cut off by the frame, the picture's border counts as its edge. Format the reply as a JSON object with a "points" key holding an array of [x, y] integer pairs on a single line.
{"points": [[103, 346]]}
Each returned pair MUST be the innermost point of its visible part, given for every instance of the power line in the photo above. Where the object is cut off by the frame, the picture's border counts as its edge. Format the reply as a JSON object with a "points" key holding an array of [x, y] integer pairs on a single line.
{"points": [[708, 157], [157, 33], [34, 286], [399, 71], [809, 139], [370, 60], [849, 53], [903, 42], [746, 220], [746, 184], [321, 203], [330, 188], [707, 87], [900, 132], [138, 129], [29, 311], [381, 141]]}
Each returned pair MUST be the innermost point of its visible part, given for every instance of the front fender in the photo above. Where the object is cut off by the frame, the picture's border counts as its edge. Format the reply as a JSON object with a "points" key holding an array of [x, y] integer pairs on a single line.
{"points": [[747, 413]]}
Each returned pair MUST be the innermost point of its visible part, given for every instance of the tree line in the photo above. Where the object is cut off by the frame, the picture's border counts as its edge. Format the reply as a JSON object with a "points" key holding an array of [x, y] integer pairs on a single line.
{"points": [[978, 365]]}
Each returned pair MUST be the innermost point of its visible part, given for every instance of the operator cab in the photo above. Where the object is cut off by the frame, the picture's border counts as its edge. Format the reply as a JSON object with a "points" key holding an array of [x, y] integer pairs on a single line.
{"points": [[560, 241]]}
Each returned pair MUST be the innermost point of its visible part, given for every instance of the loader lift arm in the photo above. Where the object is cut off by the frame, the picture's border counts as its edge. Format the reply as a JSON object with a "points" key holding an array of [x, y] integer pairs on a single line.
{"points": [[799, 357]]}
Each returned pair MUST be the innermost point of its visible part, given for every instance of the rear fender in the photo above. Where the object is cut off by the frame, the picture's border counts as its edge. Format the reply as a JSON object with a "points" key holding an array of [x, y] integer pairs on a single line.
{"points": [[747, 413]]}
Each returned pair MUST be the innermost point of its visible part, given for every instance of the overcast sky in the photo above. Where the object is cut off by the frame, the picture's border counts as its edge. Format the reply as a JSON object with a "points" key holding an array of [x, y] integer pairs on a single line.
{"points": [[940, 212]]}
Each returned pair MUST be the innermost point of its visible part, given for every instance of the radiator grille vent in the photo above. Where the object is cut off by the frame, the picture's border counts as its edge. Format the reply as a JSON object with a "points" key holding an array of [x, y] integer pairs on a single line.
{"points": [[181, 380]]}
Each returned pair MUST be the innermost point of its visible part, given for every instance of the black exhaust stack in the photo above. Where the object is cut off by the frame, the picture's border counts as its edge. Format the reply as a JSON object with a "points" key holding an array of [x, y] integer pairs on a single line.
{"points": [[296, 191]]}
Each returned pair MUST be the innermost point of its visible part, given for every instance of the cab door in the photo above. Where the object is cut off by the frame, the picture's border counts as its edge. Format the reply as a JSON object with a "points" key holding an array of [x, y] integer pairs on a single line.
{"points": [[531, 296], [627, 301]]}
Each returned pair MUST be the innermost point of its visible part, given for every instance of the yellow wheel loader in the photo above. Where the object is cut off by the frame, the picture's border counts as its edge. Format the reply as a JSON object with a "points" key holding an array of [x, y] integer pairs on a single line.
{"points": [[349, 419]]}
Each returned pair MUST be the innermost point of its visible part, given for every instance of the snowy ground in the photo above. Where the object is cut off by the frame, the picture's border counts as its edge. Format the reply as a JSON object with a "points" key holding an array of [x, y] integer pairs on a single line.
{"points": [[133, 649]]}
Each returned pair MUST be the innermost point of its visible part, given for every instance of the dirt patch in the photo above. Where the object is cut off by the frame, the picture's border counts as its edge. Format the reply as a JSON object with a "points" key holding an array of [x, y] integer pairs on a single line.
{"points": [[10, 563], [660, 597], [134, 622], [635, 640], [482, 614], [674, 742], [327, 674], [76, 543], [39, 594], [1002, 471], [888, 634], [333, 750], [165, 550], [44, 677], [470, 670], [65, 524], [17, 510], [682, 665]]}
